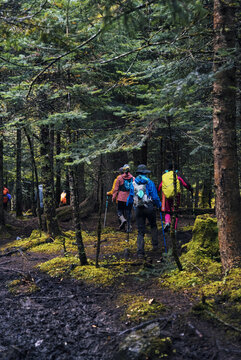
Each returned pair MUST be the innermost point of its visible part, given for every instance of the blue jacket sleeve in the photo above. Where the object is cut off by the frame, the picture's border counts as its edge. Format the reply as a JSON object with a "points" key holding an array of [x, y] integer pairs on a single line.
{"points": [[130, 198], [153, 193]]}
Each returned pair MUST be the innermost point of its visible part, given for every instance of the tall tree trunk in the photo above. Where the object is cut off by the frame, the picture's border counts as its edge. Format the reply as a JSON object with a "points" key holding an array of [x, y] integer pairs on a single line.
{"points": [[175, 214], [81, 182], [100, 206], [197, 193], [48, 183], [76, 214], [224, 135], [2, 220], [34, 166], [67, 186], [19, 197], [58, 170]]}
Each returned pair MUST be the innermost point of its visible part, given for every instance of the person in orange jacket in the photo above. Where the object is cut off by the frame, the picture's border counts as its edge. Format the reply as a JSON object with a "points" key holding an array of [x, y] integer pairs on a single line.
{"points": [[63, 199]]}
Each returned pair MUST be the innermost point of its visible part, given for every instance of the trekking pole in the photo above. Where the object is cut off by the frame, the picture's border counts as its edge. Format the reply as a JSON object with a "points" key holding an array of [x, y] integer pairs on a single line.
{"points": [[106, 207], [163, 233]]}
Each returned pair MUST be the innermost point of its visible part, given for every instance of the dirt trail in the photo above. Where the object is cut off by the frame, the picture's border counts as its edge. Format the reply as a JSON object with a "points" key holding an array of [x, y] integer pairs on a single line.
{"points": [[66, 319]]}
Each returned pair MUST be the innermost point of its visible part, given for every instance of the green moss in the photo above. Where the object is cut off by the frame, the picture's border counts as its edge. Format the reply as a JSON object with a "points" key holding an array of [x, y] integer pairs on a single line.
{"points": [[186, 228], [200, 259], [27, 243], [177, 280], [58, 266], [159, 348], [22, 286], [204, 241], [139, 308], [62, 266]]}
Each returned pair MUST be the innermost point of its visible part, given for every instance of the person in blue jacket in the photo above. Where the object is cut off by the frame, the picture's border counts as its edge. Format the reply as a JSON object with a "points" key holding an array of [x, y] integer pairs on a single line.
{"points": [[143, 194]]}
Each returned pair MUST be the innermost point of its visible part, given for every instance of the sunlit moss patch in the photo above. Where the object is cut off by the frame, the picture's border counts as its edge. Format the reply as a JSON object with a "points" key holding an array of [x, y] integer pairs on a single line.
{"points": [[27, 243], [200, 261], [70, 266], [139, 308], [58, 266]]}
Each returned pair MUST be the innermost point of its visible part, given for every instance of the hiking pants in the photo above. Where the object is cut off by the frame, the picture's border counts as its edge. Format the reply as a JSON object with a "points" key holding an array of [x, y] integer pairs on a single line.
{"points": [[169, 207], [143, 213], [124, 210]]}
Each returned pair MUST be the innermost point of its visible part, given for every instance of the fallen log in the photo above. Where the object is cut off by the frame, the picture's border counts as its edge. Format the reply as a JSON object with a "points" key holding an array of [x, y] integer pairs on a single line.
{"points": [[88, 206]]}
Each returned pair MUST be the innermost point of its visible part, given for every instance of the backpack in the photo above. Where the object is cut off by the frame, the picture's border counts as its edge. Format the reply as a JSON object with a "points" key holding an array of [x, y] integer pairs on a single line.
{"points": [[140, 195], [168, 184], [126, 185]]}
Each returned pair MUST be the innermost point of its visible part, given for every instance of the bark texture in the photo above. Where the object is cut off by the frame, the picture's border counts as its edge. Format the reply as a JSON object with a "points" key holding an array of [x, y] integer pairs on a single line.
{"points": [[224, 135], [48, 183], [2, 220], [19, 197]]}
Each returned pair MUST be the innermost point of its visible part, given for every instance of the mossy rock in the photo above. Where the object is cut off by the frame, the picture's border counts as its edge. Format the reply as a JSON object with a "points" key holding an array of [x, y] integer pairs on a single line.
{"points": [[204, 241], [147, 343]]}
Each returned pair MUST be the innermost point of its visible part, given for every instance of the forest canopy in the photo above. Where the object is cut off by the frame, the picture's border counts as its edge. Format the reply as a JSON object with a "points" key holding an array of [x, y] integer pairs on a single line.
{"points": [[83, 82]]}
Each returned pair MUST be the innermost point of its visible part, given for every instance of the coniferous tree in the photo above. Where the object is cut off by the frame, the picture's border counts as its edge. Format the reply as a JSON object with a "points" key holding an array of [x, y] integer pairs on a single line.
{"points": [[224, 134], [19, 196]]}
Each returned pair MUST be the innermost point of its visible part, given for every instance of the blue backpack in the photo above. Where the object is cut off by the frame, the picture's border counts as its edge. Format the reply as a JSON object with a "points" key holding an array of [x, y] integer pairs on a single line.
{"points": [[127, 185]]}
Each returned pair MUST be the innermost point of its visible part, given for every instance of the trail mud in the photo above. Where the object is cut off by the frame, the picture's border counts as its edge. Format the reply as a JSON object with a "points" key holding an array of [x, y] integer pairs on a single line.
{"points": [[69, 320]]}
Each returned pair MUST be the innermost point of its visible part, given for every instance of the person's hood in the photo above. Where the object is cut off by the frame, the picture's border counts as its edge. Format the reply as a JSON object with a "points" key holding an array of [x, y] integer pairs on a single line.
{"points": [[126, 176], [141, 179]]}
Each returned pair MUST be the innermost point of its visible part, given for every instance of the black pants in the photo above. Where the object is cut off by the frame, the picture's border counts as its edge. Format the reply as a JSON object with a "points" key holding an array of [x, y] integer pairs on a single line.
{"points": [[143, 213], [124, 210]]}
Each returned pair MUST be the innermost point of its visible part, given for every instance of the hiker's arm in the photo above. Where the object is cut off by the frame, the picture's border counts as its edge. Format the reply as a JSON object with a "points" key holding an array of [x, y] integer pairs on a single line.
{"points": [[160, 187], [116, 189], [113, 188], [185, 184], [153, 193], [130, 198]]}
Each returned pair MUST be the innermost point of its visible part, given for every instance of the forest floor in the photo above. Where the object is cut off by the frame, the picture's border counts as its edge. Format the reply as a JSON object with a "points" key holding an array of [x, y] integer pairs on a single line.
{"points": [[73, 320]]}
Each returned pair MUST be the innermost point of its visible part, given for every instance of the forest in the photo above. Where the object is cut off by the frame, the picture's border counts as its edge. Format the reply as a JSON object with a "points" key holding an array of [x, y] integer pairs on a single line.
{"points": [[93, 93]]}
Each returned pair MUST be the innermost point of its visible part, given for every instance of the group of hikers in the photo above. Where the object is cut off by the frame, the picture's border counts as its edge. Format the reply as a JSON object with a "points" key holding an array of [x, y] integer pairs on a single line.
{"points": [[140, 191]]}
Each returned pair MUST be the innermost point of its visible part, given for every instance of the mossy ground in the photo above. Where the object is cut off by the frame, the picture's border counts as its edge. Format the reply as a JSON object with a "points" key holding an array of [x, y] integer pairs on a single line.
{"points": [[201, 278], [22, 286], [203, 275], [139, 308]]}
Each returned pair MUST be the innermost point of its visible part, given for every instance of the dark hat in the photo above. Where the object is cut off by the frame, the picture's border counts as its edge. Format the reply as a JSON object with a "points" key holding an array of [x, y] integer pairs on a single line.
{"points": [[142, 169]]}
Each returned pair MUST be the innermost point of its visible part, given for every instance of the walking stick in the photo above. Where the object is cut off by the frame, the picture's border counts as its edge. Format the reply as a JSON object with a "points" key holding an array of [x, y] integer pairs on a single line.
{"points": [[163, 233], [106, 207]]}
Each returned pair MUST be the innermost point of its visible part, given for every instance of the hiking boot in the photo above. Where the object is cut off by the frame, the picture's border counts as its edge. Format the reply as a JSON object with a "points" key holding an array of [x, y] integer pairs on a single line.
{"points": [[123, 221], [166, 227], [129, 229]]}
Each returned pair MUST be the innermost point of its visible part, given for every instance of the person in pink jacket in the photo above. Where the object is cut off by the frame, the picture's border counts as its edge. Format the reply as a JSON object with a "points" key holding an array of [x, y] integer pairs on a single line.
{"points": [[121, 193], [168, 203]]}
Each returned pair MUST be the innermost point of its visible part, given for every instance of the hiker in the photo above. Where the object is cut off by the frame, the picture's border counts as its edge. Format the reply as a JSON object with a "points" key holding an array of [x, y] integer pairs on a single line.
{"points": [[63, 199], [143, 195], [121, 193], [110, 193], [6, 197], [167, 187], [41, 198]]}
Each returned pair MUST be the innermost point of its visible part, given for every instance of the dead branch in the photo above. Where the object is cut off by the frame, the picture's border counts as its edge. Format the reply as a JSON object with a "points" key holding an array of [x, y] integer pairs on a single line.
{"points": [[144, 324], [222, 321]]}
